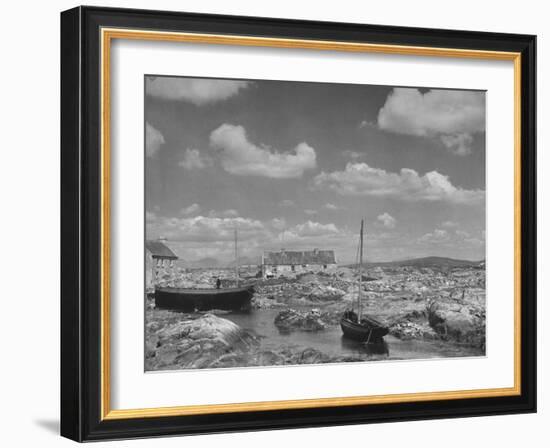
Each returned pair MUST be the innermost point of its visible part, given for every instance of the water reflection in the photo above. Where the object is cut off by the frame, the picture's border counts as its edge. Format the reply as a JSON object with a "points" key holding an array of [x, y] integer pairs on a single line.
{"points": [[378, 349], [331, 342]]}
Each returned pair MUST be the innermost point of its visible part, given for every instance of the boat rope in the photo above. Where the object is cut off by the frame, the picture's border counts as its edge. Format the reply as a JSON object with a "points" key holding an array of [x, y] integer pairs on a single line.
{"points": [[370, 333]]}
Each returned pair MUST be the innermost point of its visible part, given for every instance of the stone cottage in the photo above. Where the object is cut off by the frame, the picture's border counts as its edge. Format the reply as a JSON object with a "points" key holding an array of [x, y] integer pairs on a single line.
{"points": [[158, 256], [288, 263]]}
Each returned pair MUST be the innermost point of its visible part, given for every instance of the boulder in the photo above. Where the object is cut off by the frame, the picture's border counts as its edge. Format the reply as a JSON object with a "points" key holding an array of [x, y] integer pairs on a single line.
{"points": [[263, 302], [195, 343], [290, 319], [412, 330], [459, 323], [298, 356], [325, 293]]}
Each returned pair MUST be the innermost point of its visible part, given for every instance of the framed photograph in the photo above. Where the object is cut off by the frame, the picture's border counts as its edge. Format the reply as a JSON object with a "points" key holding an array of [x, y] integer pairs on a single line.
{"points": [[276, 224]]}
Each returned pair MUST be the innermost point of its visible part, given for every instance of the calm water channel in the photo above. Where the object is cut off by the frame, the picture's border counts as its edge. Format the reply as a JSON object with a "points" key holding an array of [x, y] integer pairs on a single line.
{"points": [[331, 342]]}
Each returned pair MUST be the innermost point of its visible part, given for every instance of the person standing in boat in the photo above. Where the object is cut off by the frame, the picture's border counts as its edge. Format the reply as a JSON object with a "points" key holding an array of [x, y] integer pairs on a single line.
{"points": [[218, 283], [350, 314]]}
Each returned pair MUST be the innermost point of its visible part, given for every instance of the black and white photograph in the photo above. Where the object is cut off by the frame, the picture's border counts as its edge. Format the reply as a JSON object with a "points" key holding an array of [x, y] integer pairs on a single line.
{"points": [[299, 223]]}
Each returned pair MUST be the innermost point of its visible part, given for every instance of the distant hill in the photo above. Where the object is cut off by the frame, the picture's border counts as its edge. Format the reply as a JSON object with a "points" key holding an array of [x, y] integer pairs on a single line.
{"points": [[211, 262], [246, 261], [207, 262], [426, 262]]}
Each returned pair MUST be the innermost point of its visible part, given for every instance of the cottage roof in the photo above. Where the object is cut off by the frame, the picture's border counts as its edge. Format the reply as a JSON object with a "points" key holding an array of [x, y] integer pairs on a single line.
{"points": [[300, 257], [160, 250]]}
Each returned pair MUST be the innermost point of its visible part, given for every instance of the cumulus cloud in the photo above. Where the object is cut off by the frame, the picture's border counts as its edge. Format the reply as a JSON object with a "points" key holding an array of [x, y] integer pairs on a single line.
{"points": [[229, 213], [287, 203], [460, 144], [312, 228], [212, 229], [459, 238], [202, 236], [312, 234], [194, 160], [278, 223], [153, 140], [437, 236], [191, 210], [462, 233], [330, 206], [387, 220], [206, 228], [480, 242], [309, 211], [241, 157], [353, 155], [360, 179], [196, 91], [451, 115], [449, 224], [367, 123]]}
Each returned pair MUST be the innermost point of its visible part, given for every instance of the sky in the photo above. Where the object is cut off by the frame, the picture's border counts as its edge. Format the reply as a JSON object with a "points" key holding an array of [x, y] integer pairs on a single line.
{"points": [[297, 165]]}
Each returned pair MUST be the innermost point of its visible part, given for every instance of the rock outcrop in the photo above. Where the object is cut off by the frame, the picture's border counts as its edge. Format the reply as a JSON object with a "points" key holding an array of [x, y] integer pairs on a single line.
{"points": [[325, 293], [195, 343], [290, 319], [283, 356], [458, 322], [407, 330]]}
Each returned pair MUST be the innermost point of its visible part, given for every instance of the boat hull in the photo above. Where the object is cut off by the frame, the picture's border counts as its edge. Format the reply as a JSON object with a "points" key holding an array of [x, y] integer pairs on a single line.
{"points": [[368, 330], [190, 300]]}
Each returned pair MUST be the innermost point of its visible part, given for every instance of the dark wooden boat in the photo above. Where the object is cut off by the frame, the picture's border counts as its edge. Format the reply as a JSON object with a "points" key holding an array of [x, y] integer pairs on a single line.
{"points": [[358, 326], [190, 300], [369, 330]]}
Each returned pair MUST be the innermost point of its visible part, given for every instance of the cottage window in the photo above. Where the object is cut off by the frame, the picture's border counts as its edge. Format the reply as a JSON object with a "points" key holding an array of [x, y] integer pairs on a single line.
{"points": [[324, 266], [293, 268]]}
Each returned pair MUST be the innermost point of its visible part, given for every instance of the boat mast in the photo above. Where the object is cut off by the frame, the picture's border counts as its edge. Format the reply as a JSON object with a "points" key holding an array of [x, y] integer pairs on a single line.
{"points": [[236, 260], [360, 275]]}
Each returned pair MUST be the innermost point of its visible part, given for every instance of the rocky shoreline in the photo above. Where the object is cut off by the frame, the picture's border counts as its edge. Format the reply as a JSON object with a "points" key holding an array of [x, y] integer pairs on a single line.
{"points": [[211, 341], [448, 307]]}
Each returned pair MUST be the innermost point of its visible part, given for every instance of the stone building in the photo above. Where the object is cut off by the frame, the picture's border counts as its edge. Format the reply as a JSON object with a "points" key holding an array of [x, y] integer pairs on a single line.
{"points": [[288, 263], [158, 256]]}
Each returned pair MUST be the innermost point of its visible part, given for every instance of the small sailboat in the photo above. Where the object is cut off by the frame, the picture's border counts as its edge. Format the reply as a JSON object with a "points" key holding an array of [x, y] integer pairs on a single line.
{"points": [[356, 325], [189, 300]]}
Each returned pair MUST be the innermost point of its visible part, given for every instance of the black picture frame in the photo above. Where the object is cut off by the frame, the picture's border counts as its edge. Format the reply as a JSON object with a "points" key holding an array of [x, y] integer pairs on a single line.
{"points": [[81, 224]]}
